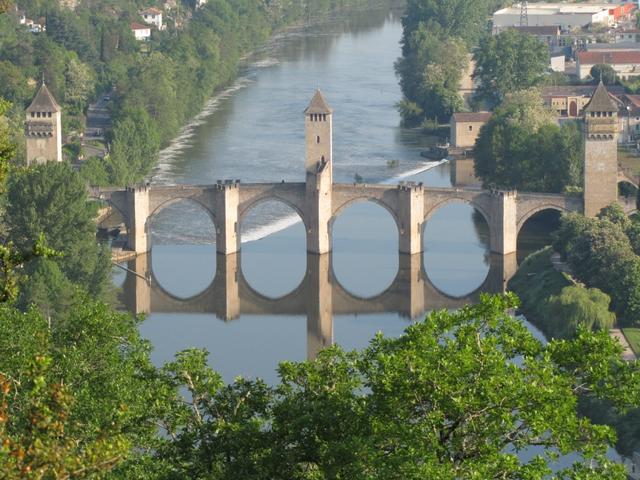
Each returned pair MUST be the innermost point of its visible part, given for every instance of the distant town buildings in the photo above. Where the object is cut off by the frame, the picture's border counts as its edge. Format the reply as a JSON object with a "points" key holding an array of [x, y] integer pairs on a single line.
{"points": [[567, 16], [568, 101], [34, 27], [43, 129], [141, 32], [153, 16]]}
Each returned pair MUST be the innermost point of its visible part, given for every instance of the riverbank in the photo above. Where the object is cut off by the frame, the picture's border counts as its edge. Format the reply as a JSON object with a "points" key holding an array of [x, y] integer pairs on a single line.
{"points": [[174, 85]]}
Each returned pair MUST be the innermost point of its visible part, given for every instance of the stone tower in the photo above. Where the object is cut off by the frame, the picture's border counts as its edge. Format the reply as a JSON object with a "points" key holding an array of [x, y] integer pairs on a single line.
{"points": [[600, 152], [43, 129], [318, 166]]}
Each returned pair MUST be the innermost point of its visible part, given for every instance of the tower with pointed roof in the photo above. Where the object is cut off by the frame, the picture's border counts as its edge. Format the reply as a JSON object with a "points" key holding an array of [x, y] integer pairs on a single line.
{"points": [[319, 177], [600, 152], [43, 128]]}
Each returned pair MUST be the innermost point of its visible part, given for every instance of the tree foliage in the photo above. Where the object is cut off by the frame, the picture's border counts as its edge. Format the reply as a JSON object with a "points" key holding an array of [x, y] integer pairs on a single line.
{"points": [[601, 255], [436, 38], [430, 76], [51, 200], [522, 148], [91, 50], [508, 62], [604, 72], [75, 393], [456, 396]]}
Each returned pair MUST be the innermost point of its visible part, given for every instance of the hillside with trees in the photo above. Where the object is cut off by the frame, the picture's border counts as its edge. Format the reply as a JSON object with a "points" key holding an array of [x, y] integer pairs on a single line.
{"points": [[155, 86]]}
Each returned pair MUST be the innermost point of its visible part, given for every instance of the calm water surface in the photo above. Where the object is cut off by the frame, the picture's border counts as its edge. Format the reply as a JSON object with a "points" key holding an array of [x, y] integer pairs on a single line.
{"points": [[254, 131]]}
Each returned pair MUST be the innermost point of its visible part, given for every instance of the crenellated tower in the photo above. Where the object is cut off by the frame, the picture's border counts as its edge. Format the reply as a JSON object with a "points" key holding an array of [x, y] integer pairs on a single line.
{"points": [[319, 177], [600, 152], [43, 128]]}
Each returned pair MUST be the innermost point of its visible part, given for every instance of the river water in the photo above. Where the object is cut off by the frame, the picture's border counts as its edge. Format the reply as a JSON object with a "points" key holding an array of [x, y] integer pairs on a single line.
{"points": [[254, 131]]}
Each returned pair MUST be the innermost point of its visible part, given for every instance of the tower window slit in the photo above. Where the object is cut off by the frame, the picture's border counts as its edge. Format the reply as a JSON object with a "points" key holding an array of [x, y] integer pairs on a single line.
{"points": [[317, 138]]}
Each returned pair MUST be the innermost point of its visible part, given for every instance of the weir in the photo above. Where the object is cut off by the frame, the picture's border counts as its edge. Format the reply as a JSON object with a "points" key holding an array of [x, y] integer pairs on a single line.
{"points": [[319, 200]]}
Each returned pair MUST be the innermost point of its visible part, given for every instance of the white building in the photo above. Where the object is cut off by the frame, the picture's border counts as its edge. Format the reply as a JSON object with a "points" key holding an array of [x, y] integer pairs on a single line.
{"points": [[152, 16], [141, 32], [626, 63], [565, 16]]}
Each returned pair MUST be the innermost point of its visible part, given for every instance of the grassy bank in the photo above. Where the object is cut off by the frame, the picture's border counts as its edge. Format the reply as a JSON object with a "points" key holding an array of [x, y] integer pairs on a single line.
{"points": [[633, 337], [555, 303]]}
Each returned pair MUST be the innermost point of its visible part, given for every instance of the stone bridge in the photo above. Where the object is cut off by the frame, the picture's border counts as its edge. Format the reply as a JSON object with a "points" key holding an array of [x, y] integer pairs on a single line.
{"points": [[409, 204], [318, 201], [318, 297]]}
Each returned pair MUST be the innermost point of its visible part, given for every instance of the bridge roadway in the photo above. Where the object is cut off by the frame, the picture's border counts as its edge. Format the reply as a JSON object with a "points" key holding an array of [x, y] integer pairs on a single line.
{"points": [[409, 204], [318, 297]]}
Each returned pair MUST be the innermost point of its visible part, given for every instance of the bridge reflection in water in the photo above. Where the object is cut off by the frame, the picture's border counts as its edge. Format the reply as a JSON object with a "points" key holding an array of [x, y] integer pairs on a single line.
{"points": [[319, 296]]}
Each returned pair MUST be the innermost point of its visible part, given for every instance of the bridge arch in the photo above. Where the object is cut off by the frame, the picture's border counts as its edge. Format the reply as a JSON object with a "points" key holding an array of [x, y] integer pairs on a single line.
{"points": [[247, 206], [483, 209], [628, 179], [364, 199], [110, 204], [189, 199], [364, 281], [291, 228], [473, 240], [522, 219]]}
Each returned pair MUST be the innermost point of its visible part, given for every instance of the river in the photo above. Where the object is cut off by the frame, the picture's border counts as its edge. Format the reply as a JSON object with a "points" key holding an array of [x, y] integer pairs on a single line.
{"points": [[254, 131]]}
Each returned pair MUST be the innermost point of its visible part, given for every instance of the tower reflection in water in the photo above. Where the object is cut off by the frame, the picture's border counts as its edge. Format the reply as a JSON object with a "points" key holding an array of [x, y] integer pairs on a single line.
{"points": [[319, 296]]}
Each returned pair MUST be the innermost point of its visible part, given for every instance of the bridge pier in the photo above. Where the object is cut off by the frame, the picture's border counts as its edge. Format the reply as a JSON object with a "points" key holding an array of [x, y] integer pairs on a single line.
{"points": [[319, 304], [411, 284], [138, 206], [137, 297], [410, 216], [227, 202], [318, 209], [502, 268], [227, 297], [503, 228]]}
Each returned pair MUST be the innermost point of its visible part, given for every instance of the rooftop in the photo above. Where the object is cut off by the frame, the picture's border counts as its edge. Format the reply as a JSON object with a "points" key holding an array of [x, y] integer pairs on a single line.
{"points": [[318, 104], [601, 101], [43, 101], [471, 116], [558, 8], [151, 11], [616, 57], [139, 26]]}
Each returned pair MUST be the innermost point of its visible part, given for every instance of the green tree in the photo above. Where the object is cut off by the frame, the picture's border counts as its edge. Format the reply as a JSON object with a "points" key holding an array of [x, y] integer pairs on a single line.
{"points": [[453, 18], [134, 148], [508, 62], [522, 148], [456, 396], [604, 72], [577, 306], [79, 84], [78, 394], [51, 200], [430, 76]]}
